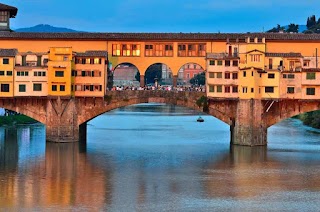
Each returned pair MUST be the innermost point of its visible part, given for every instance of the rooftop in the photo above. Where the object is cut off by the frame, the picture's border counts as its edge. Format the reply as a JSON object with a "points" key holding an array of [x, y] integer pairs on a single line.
{"points": [[290, 54], [156, 36], [8, 52], [13, 10]]}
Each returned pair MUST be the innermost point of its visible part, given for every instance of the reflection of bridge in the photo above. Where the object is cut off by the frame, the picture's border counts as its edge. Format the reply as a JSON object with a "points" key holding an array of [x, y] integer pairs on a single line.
{"points": [[66, 118]]}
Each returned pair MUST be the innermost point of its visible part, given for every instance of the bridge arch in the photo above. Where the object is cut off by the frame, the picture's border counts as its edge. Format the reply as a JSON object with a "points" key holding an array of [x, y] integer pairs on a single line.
{"points": [[118, 99], [33, 108], [158, 73], [126, 74], [284, 109], [188, 71]]}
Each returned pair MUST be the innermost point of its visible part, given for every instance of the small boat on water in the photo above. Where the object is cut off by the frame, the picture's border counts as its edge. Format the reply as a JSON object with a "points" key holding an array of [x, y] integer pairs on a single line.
{"points": [[200, 119]]}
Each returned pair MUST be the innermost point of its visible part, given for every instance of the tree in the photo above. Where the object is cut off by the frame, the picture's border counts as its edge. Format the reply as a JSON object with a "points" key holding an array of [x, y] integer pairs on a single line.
{"points": [[318, 22], [199, 79], [137, 76], [293, 28], [276, 29], [311, 21], [154, 71]]}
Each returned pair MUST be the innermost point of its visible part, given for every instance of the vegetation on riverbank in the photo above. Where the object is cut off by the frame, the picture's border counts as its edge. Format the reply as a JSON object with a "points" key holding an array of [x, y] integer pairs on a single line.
{"points": [[16, 119], [311, 119]]}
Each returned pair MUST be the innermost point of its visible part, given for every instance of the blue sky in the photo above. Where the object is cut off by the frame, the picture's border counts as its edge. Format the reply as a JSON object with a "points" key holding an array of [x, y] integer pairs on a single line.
{"points": [[163, 15]]}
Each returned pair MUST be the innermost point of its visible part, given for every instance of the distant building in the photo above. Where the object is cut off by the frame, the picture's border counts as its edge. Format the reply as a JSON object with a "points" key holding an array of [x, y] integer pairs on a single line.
{"points": [[125, 75], [187, 72]]}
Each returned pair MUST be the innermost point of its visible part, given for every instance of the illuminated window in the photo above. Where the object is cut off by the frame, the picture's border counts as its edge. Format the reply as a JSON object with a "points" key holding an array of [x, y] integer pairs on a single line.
{"points": [[116, 49], [135, 50], [97, 61], [126, 50]]}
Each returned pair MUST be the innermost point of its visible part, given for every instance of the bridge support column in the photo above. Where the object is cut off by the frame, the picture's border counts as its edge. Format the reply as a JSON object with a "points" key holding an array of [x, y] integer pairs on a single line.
{"points": [[248, 128], [175, 80], [142, 83], [61, 125]]}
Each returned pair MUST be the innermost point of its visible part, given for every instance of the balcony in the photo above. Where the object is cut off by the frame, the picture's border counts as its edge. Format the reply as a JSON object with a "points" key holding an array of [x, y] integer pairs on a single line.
{"points": [[275, 67]]}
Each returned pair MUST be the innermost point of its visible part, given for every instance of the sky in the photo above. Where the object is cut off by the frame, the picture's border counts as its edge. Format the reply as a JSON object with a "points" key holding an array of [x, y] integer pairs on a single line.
{"points": [[163, 15]]}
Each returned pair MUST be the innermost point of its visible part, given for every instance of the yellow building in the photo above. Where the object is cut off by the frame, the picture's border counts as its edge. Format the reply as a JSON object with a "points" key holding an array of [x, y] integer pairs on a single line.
{"points": [[7, 63], [60, 66]]}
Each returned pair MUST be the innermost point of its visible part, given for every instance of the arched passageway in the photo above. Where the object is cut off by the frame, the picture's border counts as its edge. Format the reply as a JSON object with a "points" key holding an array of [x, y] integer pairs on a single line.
{"points": [[191, 74], [126, 74], [158, 74]]}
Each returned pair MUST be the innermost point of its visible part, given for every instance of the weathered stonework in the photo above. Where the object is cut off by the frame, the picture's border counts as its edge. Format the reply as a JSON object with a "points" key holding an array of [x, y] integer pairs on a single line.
{"points": [[66, 118]]}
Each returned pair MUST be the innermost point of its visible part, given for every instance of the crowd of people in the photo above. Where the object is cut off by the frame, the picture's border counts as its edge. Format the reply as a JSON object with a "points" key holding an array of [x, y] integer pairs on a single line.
{"points": [[200, 88]]}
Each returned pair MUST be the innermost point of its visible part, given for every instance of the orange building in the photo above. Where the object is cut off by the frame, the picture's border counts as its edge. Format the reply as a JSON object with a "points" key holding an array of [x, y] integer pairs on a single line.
{"points": [[90, 73]]}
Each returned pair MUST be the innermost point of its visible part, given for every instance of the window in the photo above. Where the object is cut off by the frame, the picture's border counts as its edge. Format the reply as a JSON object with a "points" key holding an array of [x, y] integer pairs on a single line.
{"points": [[54, 88], [306, 63], [202, 50], [182, 50], [97, 61], [37, 87], [227, 89], [271, 76], [59, 74], [219, 62], [244, 74], [116, 50], [311, 76], [252, 90], [234, 89], [251, 73], [65, 58], [211, 88], [284, 76], [9, 73], [5, 88], [255, 57], [311, 91], [168, 50], [290, 89], [62, 87], [22, 88], [1, 73], [211, 75], [135, 50], [227, 63], [212, 62], [290, 76], [245, 90], [235, 63], [235, 75], [5, 61], [3, 16], [22, 73], [269, 89], [227, 75], [219, 88], [219, 75], [192, 50]]}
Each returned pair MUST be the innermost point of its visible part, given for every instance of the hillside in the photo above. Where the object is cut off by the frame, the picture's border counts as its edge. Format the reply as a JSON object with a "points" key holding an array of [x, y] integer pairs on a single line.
{"points": [[44, 28]]}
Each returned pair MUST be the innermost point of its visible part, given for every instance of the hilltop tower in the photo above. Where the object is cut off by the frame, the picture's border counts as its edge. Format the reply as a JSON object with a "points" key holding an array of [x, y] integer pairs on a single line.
{"points": [[6, 12]]}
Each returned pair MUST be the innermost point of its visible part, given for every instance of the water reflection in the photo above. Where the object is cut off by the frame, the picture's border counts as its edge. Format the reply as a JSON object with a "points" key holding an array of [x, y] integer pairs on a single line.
{"points": [[156, 162]]}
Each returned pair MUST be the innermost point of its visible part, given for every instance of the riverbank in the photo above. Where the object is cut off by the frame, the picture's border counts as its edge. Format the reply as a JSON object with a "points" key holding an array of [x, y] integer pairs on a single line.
{"points": [[311, 119], [16, 119]]}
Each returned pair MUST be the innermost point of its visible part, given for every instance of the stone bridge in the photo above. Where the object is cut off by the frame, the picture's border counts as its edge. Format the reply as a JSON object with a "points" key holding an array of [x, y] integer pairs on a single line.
{"points": [[66, 117]]}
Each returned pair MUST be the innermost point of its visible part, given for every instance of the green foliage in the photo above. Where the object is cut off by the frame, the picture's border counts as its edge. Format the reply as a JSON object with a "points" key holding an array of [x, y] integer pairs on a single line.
{"points": [[312, 25], [311, 21], [293, 28], [154, 71], [137, 76], [276, 29], [202, 102], [311, 119], [199, 79], [16, 119]]}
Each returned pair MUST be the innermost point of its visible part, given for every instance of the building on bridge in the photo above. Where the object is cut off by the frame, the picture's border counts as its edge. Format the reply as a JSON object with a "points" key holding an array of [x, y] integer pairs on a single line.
{"points": [[254, 80]]}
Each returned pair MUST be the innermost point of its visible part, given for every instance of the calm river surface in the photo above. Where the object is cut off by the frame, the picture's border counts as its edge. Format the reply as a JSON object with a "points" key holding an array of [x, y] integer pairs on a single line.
{"points": [[154, 157]]}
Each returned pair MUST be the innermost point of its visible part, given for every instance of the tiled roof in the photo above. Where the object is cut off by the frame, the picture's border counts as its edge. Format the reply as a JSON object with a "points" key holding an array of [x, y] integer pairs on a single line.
{"points": [[155, 36], [290, 54], [13, 10], [92, 54], [8, 52]]}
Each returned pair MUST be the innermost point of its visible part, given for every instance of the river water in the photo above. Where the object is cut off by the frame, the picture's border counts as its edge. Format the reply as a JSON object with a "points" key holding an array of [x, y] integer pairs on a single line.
{"points": [[153, 157]]}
